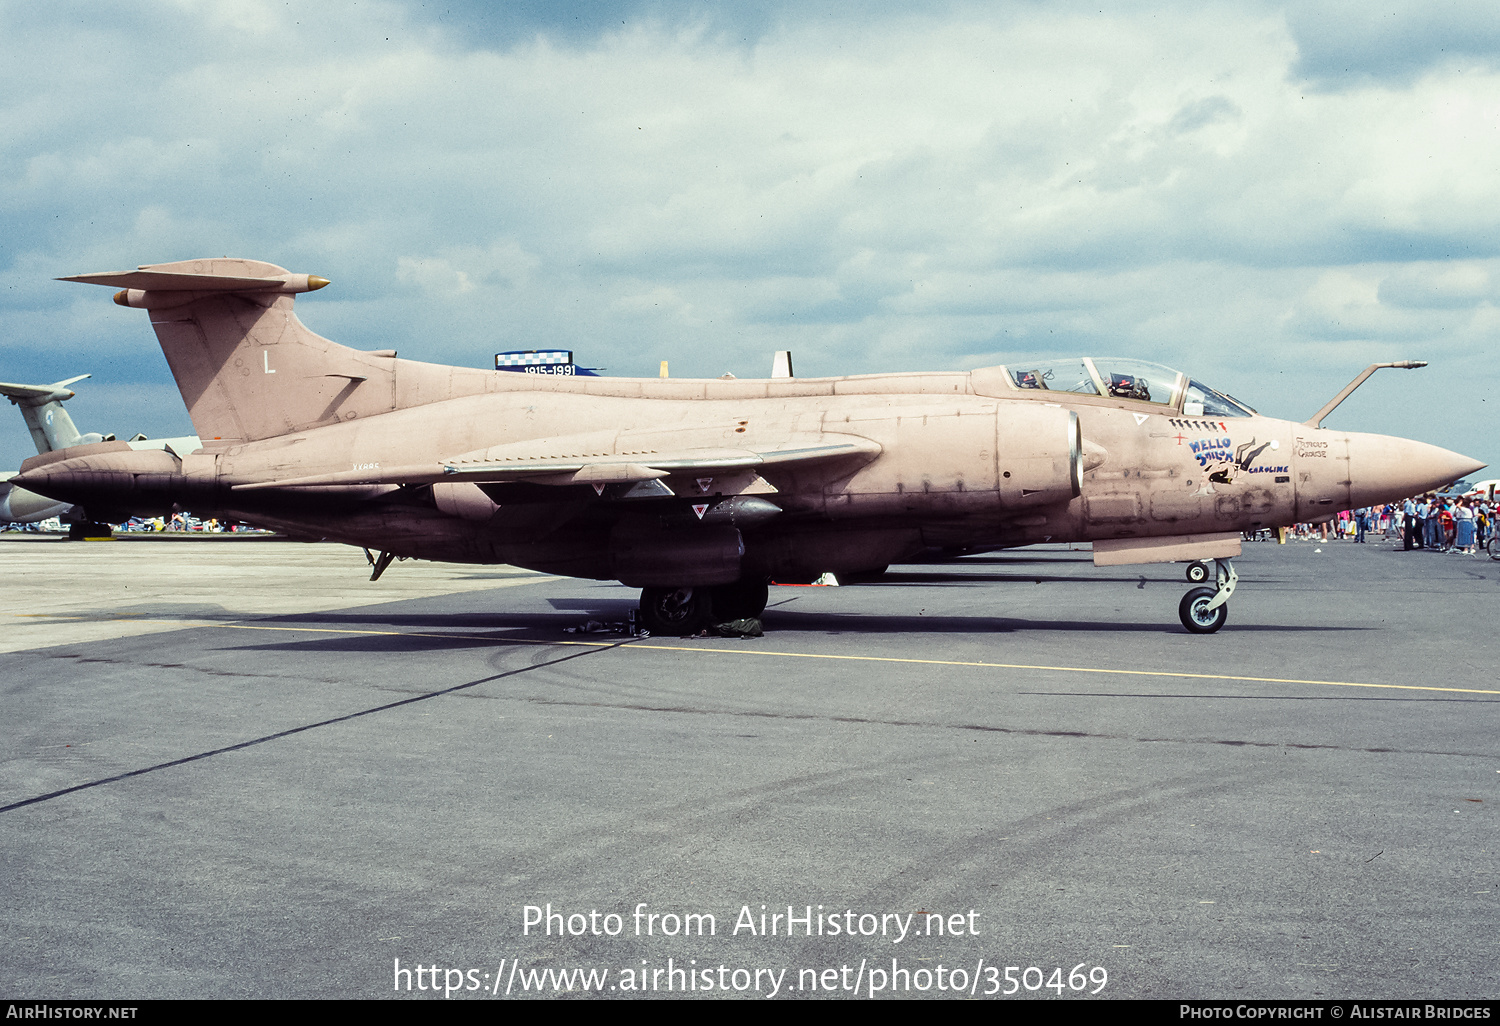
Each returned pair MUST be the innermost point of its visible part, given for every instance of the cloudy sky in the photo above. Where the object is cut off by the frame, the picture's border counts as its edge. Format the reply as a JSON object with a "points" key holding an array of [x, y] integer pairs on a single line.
{"points": [[1269, 196]]}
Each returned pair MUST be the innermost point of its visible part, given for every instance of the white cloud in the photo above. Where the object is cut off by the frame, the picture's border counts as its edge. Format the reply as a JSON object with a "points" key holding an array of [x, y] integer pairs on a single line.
{"points": [[1455, 284], [930, 188]]}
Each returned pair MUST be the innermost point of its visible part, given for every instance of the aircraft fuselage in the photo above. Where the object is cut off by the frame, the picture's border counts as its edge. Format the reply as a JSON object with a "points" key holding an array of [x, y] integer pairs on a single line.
{"points": [[954, 469]]}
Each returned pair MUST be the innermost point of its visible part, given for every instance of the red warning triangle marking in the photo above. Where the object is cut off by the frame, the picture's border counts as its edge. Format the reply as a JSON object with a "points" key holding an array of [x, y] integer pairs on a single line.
{"points": [[704, 482], [598, 488], [700, 508]]}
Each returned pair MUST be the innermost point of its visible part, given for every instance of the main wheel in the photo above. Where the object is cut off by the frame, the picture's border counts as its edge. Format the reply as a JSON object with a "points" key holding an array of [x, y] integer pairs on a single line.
{"points": [[679, 611], [1195, 614], [740, 600], [1197, 571]]}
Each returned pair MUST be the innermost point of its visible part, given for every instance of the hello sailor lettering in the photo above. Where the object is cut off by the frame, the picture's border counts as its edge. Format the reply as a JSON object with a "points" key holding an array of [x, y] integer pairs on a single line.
{"points": [[1211, 450]]}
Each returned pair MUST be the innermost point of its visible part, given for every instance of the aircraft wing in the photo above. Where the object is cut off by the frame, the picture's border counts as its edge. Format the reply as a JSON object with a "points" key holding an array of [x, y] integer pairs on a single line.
{"points": [[493, 466]]}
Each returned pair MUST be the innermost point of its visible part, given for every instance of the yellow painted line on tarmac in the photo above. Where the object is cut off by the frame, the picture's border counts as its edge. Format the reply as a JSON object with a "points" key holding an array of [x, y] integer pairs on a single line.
{"points": [[849, 658]]}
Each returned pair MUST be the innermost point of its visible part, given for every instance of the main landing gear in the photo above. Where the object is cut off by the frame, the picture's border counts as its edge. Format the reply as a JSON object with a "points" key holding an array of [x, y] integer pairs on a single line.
{"points": [[688, 610], [1205, 610]]}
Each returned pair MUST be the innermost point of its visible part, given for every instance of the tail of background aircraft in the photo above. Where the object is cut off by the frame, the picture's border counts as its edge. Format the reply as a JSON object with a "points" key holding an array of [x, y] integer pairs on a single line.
{"points": [[51, 427], [249, 369]]}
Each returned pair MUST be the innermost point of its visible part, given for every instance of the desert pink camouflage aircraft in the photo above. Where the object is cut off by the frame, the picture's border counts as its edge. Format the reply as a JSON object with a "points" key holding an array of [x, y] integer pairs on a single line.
{"points": [[700, 491]]}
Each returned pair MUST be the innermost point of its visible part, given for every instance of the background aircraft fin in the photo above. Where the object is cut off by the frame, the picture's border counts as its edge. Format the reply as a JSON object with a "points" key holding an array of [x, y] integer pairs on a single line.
{"points": [[41, 406]]}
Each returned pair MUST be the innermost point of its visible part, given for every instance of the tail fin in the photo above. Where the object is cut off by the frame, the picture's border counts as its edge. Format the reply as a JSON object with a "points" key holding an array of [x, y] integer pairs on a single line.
{"points": [[246, 366], [41, 405]]}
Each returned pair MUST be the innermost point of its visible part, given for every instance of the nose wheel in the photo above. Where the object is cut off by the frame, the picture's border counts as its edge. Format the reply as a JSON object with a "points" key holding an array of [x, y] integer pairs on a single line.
{"points": [[1205, 610]]}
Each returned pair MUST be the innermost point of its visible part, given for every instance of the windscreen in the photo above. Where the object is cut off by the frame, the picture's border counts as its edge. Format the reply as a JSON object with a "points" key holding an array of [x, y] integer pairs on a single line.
{"points": [[1202, 401]]}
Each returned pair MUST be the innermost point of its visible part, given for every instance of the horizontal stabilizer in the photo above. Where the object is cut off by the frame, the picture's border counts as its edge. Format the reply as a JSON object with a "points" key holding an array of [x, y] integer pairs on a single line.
{"points": [[630, 466], [38, 394], [149, 279], [167, 281]]}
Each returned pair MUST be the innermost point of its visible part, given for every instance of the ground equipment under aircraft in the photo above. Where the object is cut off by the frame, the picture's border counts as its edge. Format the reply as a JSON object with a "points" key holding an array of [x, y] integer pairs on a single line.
{"points": [[699, 491]]}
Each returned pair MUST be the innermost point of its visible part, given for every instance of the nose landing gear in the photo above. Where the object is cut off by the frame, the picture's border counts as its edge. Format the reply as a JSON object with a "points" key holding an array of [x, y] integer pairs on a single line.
{"points": [[1205, 610]]}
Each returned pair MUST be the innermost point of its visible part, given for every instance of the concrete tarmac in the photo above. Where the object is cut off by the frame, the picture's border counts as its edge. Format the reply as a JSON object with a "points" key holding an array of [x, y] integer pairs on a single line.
{"points": [[245, 771]]}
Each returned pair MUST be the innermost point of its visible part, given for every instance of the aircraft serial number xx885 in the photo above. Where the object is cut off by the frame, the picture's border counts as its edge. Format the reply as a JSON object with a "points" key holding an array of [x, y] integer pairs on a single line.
{"points": [[700, 491]]}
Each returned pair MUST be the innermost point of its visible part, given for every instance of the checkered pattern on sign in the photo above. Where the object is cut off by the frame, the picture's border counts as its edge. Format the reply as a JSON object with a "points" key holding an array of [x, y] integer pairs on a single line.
{"points": [[541, 358]]}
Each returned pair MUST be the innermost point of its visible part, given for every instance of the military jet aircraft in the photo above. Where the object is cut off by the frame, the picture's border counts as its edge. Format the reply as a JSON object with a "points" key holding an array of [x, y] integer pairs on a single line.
{"points": [[699, 491]]}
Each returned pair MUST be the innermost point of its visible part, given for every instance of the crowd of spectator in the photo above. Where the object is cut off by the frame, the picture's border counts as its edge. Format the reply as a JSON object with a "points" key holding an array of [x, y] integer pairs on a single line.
{"points": [[1439, 523], [177, 522]]}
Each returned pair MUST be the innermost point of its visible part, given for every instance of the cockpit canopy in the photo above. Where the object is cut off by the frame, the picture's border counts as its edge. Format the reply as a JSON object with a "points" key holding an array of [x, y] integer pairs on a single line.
{"points": [[1122, 378]]}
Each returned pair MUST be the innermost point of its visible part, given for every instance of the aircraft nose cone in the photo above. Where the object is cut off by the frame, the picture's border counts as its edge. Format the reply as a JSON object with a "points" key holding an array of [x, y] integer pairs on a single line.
{"points": [[1383, 469]]}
